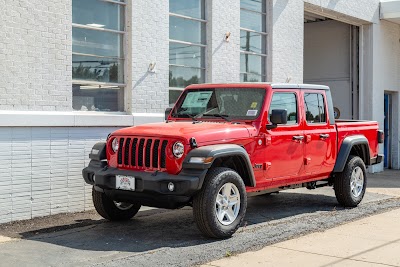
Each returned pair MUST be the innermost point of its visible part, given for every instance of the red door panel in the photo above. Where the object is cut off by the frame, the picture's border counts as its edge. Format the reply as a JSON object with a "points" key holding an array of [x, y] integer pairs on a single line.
{"points": [[320, 145], [285, 152]]}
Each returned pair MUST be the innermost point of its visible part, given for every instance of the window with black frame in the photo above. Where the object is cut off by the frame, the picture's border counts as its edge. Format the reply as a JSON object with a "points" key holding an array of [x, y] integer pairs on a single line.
{"points": [[217, 103], [253, 40], [98, 32], [315, 108], [288, 102], [187, 44]]}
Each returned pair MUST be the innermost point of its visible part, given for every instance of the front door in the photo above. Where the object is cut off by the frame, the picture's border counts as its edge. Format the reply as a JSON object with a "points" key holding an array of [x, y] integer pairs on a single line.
{"points": [[285, 151], [320, 135], [387, 108]]}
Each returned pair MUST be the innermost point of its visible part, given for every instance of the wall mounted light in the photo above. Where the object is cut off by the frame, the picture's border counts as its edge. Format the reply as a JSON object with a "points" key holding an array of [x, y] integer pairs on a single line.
{"points": [[227, 36], [152, 67]]}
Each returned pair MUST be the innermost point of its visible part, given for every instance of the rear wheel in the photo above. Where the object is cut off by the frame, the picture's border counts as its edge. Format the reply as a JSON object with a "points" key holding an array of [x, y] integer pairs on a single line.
{"points": [[113, 210], [220, 206], [350, 184]]}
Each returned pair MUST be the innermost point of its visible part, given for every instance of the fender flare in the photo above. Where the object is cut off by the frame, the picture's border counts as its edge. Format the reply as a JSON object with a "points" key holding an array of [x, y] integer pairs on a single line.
{"points": [[215, 152], [345, 149], [98, 152]]}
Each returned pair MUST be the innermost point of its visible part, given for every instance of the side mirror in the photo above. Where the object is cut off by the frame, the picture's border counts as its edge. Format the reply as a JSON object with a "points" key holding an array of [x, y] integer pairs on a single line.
{"points": [[167, 111], [278, 116]]}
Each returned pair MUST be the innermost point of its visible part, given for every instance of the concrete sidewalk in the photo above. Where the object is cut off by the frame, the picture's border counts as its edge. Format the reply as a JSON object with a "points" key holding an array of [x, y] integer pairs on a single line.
{"points": [[372, 241]]}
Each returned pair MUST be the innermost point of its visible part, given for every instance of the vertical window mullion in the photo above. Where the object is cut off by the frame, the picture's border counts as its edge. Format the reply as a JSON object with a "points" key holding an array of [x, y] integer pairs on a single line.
{"points": [[187, 60], [252, 37]]}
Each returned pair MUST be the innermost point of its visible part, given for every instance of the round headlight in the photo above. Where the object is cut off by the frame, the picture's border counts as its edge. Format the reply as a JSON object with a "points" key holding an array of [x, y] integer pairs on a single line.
{"points": [[178, 149], [115, 145]]}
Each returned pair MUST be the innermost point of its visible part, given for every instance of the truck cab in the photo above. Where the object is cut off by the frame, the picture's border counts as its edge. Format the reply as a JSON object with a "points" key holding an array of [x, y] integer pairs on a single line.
{"points": [[221, 143]]}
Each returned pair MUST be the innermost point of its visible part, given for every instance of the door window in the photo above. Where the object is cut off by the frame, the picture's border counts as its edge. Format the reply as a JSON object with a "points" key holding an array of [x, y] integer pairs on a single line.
{"points": [[285, 101], [315, 108]]}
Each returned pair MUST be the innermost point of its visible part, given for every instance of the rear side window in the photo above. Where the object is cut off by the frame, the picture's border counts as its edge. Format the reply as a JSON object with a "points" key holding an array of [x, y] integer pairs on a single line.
{"points": [[285, 101], [315, 108]]}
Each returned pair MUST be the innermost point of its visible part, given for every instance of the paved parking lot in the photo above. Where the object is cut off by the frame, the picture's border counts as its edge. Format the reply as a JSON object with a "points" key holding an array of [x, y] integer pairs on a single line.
{"points": [[170, 238]]}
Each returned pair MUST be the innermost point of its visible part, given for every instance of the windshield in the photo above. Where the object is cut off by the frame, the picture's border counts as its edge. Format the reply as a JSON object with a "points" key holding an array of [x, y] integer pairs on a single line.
{"points": [[225, 103]]}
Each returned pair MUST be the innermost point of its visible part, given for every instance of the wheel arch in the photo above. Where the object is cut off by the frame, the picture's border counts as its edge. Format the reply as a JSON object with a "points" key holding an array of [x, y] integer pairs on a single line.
{"points": [[356, 145], [98, 151], [226, 155]]}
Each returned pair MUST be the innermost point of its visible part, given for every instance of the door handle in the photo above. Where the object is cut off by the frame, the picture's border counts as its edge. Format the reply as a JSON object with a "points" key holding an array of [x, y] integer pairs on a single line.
{"points": [[323, 136], [298, 138]]}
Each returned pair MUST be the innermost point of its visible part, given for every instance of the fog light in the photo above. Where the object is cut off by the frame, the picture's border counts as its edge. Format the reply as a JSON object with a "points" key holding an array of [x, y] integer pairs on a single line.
{"points": [[171, 186]]}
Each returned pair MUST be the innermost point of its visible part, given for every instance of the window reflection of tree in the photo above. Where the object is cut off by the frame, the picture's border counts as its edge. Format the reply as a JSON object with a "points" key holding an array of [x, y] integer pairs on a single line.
{"points": [[102, 72]]}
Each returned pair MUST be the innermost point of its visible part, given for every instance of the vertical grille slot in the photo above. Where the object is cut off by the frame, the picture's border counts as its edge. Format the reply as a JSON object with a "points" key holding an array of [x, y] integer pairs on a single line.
{"points": [[155, 153], [133, 152], [126, 152], [140, 152], [148, 152], [121, 145], [163, 153]]}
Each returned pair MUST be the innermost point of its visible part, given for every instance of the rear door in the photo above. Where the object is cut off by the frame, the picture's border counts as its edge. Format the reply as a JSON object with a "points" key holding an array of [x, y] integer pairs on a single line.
{"points": [[320, 135], [285, 152]]}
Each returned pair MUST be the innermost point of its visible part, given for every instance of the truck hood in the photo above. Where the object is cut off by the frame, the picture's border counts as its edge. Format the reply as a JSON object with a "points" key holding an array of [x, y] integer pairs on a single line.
{"points": [[204, 132]]}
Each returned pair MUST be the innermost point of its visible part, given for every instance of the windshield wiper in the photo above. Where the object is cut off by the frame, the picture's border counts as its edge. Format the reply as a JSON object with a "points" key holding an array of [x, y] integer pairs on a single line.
{"points": [[224, 116], [184, 114]]}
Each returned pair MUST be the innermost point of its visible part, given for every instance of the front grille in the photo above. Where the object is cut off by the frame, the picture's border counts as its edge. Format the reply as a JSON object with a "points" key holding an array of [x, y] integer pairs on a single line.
{"points": [[142, 153]]}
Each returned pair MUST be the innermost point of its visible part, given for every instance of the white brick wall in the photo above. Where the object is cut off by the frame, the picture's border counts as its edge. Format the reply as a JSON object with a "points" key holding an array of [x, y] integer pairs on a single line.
{"points": [[386, 67], [41, 170], [150, 43], [286, 41], [35, 55], [223, 62]]}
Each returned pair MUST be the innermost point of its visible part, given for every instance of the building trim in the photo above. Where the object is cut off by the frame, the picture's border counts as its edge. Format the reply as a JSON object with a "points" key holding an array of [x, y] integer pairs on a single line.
{"points": [[75, 119]]}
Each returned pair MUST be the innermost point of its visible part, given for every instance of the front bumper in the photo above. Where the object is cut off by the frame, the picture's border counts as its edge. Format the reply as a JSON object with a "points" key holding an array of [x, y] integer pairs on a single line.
{"points": [[151, 188]]}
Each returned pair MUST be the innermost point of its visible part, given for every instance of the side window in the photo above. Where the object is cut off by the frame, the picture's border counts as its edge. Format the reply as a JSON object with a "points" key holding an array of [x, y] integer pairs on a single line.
{"points": [[285, 101], [315, 108]]}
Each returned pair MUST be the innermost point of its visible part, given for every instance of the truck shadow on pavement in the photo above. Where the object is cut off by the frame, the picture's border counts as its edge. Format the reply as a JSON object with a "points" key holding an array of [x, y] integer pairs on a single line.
{"points": [[156, 229]]}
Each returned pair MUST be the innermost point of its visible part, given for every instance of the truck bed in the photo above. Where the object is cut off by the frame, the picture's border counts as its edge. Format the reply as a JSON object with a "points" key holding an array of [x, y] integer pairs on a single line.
{"points": [[358, 127]]}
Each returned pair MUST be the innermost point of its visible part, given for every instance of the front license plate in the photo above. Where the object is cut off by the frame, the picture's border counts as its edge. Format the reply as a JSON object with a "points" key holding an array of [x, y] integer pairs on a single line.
{"points": [[124, 182]]}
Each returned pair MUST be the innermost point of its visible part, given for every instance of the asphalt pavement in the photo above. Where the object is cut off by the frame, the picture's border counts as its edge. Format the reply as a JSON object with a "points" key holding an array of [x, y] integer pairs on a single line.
{"points": [[170, 237]]}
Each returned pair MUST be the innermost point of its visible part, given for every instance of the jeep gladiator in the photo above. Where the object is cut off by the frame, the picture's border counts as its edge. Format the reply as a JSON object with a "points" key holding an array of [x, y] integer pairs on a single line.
{"points": [[221, 143]]}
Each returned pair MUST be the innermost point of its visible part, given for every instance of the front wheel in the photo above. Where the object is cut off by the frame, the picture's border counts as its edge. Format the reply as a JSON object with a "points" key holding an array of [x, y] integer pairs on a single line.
{"points": [[113, 210], [350, 184], [219, 208]]}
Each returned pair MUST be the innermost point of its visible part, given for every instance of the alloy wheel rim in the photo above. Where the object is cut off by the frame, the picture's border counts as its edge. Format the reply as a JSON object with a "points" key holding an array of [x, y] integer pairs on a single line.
{"points": [[227, 204], [123, 205], [357, 182]]}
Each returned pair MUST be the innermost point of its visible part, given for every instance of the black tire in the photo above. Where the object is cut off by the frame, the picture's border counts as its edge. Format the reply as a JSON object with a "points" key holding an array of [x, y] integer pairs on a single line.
{"points": [[108, 209], [205, 206], [343, 182]]}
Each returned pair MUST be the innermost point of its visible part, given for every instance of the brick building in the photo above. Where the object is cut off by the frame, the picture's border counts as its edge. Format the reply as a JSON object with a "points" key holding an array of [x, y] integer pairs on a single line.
{"points": [[75, 70]]}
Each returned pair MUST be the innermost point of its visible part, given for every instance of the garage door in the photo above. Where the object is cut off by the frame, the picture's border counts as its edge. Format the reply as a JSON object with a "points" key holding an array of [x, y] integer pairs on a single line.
{"points": [[330, 58]]}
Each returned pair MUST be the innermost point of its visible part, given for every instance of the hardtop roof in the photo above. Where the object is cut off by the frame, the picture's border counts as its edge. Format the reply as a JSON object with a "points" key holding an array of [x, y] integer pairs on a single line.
{"points": [[261, 85]]}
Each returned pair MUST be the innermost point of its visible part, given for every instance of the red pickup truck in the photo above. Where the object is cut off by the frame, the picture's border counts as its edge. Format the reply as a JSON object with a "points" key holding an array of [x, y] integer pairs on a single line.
{"points": [[224, 142]]}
